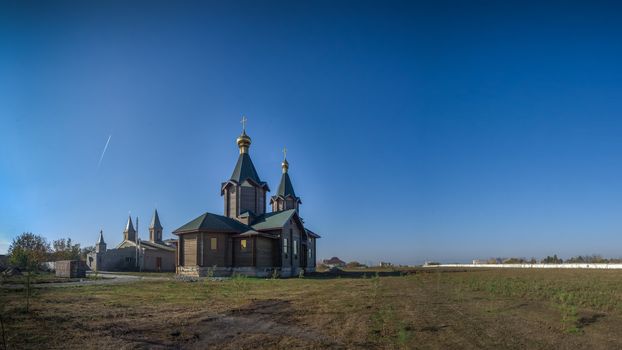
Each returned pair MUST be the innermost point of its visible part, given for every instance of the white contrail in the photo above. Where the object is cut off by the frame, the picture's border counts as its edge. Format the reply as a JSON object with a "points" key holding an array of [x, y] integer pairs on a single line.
{"points": [[104, 152]]}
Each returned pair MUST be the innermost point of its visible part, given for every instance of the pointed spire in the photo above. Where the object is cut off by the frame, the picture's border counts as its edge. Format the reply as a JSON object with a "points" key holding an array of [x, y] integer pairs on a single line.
{"points": [[129, 227], [285, 197], [155, 221], [244, 168], [100, 246], [101, 237], [285, 187]]}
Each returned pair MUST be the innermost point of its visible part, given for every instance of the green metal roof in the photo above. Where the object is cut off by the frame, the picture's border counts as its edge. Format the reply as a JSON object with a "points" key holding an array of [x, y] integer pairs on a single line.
{"points": [[213, 223], [273, 220], [209, 222], [285, 187], [244, 169]]}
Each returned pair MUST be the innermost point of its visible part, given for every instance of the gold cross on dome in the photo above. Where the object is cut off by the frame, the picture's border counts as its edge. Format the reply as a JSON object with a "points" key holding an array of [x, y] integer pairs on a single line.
{"points": [[243, 121]]}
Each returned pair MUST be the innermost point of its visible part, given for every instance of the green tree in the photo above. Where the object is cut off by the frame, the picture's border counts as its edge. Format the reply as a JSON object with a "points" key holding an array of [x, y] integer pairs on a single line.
{"points": [[28, 251], [552, 260], [85, 251], [354, 265], [65, 250]]}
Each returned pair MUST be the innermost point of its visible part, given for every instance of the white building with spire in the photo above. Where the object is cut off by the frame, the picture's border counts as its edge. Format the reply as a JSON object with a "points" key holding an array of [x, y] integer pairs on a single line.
{"points": [[134, 254]]}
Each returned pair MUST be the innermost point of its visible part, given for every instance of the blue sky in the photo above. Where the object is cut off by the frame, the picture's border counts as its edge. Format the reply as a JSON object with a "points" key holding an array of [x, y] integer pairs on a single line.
{"points": [[439, 130]]}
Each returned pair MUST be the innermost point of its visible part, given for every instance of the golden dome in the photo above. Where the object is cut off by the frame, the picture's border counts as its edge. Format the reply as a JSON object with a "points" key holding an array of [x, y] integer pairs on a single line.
{"points": [[285, 165], [244, 142]]}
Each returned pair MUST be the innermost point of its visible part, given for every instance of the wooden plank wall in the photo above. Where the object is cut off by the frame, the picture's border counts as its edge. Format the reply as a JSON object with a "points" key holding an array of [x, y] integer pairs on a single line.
{"points": [[232, 201], [243, 258], [190, 250], [219, 257], [248, 200], [264, 252]]}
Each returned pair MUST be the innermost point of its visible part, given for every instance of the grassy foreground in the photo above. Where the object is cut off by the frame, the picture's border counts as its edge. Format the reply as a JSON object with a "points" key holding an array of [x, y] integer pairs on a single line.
{"points": [[422, 309]]}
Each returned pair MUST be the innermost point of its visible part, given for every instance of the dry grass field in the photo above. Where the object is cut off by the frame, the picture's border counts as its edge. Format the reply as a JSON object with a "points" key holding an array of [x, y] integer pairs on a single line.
{"points": [[416, 309]]}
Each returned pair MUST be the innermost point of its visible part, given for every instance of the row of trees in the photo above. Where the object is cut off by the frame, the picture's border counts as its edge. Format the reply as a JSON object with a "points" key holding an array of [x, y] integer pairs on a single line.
{"points": [[593, 259], [589, 259], [552, 260], [29, 250]]}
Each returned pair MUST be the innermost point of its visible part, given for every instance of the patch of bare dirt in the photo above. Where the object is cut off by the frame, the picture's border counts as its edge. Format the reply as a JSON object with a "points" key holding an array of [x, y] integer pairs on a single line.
{"points": [[261, 324]]}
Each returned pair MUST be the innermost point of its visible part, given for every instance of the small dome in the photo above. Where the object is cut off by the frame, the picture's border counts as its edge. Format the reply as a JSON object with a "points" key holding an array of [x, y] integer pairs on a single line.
{"points": [[285, 165], [244, 142]]}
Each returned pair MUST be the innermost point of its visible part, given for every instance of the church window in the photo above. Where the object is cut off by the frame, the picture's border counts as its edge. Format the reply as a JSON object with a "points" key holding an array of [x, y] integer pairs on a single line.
{"points": [[243, 244], [295, 249], [214, 243], [285, 246], [309, 254]]}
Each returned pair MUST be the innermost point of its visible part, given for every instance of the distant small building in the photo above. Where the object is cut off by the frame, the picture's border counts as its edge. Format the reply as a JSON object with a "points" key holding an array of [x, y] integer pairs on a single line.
{"points": [[334, 262], [135, 254], [70, 269], [385, 264]]}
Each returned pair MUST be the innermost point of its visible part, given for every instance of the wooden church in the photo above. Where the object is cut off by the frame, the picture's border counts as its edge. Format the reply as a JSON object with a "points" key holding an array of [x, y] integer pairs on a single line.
{"points": [[247, 239]]}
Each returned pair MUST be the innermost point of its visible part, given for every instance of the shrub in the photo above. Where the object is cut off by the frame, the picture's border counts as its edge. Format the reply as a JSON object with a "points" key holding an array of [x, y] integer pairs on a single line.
{"points": [[355, 265]]}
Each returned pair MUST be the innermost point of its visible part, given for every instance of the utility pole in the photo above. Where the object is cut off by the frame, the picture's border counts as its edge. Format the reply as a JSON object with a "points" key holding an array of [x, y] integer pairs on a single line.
{"points": [[136, 241]]}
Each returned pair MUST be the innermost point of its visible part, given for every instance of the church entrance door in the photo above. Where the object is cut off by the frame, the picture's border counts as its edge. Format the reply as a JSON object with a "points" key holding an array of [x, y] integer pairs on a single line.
{"points": [[303, 255], [158, 263]]}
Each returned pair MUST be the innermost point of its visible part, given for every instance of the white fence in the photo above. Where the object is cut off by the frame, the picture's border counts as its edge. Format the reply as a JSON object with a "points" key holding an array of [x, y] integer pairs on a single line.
{"points": [[535, 266]]}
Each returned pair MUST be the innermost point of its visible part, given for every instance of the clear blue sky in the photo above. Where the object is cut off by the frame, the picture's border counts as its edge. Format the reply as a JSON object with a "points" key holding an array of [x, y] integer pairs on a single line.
{"points": [[416, 130]]}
